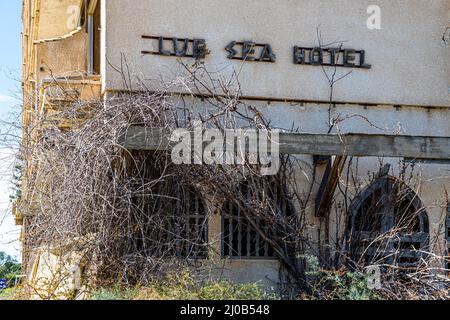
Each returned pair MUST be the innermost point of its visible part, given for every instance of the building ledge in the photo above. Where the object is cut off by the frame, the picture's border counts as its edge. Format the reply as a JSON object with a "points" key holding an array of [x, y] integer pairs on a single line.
{"points": [[78, 79]]}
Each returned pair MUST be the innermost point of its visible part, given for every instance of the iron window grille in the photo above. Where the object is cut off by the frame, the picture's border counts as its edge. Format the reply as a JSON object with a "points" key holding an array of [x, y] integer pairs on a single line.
{"points": [[180, 229], [240, 238]]}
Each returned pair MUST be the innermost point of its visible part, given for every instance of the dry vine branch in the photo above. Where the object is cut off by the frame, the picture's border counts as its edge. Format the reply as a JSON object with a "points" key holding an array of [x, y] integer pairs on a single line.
{"points": [[135, 216]]}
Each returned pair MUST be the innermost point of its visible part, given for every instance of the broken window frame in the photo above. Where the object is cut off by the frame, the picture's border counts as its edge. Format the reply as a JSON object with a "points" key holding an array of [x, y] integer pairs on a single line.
{"points": [[393, 254]]}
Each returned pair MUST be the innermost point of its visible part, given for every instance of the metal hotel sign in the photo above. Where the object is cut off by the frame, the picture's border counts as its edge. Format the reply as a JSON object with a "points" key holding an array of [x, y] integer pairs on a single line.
{"points": [[279, 50], [260, 52]]}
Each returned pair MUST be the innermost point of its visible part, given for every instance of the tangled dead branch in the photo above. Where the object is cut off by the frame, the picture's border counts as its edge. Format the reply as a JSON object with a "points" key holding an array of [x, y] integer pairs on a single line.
{"points": [[136, 217]]}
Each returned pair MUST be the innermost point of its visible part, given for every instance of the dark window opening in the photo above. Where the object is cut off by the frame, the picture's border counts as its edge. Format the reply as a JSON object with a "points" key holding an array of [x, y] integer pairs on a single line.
{"points": [[369, 217], [176, 223], [388, 225], [245, 238], [83, 15], [93, 26], [97, 39]]}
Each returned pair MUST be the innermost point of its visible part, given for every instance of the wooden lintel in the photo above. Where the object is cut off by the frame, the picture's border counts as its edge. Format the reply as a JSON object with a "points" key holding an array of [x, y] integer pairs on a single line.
{"points": [[353, 144]]}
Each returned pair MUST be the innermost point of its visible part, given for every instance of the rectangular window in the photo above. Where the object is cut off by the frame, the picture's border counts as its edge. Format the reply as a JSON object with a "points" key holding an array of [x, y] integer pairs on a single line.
{"points": [[243, 238], [171, 228], [240, 238], [169, 219], [94, 36]]}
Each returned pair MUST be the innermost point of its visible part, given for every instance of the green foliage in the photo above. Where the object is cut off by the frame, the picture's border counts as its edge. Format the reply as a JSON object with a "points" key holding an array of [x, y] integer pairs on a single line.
{"points": [[336, 285], [344, 286], [7, 294], [9, 268], [16, 181], [115, 293], [225, 290], [312, 264], [182, 286]]}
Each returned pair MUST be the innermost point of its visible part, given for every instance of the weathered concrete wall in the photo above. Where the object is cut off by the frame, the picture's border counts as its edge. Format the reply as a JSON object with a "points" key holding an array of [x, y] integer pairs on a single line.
{"points": [[430, 181], [410, 66], [264, 271], [410, 61], [58, 18], [66, 57], [410, 70]]}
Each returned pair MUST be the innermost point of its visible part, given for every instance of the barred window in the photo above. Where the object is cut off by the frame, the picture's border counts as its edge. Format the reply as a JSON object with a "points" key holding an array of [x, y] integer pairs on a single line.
{"points": [[244, 238], [388, 225], [176, 223]]}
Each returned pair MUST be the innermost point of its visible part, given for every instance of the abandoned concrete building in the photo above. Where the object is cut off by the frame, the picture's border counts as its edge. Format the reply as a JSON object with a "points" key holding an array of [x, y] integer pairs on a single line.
{"points": [[365, 84]]}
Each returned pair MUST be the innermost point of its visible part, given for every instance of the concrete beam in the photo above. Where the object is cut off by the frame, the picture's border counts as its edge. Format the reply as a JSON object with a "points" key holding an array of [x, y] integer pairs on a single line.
{"points": [[353, 144]]}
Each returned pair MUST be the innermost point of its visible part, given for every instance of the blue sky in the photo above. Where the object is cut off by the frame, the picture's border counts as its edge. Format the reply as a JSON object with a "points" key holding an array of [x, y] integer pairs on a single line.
{"points": [[10, 55], [10, 72]]}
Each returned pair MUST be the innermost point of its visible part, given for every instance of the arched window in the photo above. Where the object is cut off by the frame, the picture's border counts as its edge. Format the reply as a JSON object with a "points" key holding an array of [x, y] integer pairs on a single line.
{"points": [[266, 203], [388, 225]]}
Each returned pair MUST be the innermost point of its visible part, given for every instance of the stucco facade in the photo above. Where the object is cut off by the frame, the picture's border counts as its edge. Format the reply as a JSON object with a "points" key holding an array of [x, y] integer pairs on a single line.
{"points": [[407, 54], [406, 90]]}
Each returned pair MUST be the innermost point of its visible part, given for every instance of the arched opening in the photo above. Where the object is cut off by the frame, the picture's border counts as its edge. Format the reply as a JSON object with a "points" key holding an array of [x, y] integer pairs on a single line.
{"points": [[388, 225], [253, 214]]}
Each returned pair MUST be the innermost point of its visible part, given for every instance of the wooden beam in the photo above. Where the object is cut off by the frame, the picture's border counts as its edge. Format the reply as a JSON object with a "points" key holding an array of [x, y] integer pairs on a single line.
{"points": [[328, 186], [143, 138], [353, 144], [360, 145]]}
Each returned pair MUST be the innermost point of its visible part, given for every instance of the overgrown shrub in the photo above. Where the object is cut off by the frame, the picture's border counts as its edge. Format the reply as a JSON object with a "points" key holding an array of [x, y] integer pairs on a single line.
{"points": [[115, 293], [185, 287], [334, 285], [119, 222]]}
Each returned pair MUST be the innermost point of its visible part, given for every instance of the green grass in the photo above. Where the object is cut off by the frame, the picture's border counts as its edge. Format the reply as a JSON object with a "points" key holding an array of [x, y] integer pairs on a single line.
{"points": [[7, 294], [183, 287], [114, 294]]}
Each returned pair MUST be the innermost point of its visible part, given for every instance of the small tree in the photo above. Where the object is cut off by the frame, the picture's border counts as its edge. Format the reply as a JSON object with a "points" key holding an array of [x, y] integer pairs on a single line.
{"points": [[9, 267]]}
